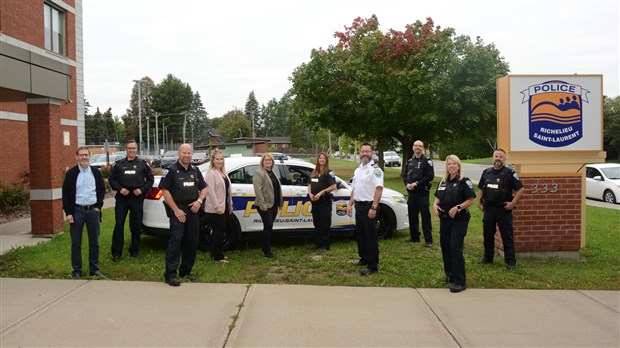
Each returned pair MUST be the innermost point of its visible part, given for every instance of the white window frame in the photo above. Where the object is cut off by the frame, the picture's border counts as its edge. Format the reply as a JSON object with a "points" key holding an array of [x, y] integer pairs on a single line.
{"points": [[54, 28]]}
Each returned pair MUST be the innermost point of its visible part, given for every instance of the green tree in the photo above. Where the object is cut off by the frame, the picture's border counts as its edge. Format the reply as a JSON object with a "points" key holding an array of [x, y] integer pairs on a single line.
{"points": [[253, 114], [611, 122], [421, 83], [234, 124], [172, 99], [199, 122]]}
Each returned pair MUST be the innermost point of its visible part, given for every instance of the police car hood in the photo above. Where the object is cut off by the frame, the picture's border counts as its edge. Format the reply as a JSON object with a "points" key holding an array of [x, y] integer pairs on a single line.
{"points": [[391, 193]]}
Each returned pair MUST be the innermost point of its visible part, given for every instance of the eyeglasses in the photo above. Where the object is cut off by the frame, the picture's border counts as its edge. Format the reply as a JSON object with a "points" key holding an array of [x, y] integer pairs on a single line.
{"points": [[83, 154]]}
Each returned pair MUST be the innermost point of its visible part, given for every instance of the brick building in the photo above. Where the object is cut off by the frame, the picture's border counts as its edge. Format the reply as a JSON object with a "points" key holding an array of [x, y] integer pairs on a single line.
{"points": [[41, 100]]}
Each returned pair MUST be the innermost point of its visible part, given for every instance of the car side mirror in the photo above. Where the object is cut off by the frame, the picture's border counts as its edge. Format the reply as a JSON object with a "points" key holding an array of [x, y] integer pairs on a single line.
{"points": [[598, 178]]}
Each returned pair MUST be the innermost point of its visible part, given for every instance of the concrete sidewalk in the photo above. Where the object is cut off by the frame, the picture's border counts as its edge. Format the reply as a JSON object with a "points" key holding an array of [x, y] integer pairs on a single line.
{"points": [[60, 313]]}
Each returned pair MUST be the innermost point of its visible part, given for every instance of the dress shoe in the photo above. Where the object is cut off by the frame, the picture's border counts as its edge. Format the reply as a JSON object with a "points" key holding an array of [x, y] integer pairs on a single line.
{"points": [[190, 277], [411, 240], [76, 275], [359, 263], [511, 267], [116, 258], [457, 288], [484, 260], [98, 275], [429, 245], [173, 281], [367, 271], [447, 281]]}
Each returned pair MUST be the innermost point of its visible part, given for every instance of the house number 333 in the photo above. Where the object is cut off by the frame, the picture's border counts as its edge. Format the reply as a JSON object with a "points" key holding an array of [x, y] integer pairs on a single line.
{"points": [[544, 188]]}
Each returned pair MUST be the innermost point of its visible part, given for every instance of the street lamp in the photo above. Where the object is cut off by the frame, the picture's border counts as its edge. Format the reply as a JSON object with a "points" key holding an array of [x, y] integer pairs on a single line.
{"points": [[139, 82]]}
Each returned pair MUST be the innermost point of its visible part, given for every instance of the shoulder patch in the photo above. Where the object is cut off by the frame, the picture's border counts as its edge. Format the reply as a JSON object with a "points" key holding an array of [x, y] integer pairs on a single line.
{"points": [[378, 172], [331, 173], [430, 162], [469, 184], [514, 175]]}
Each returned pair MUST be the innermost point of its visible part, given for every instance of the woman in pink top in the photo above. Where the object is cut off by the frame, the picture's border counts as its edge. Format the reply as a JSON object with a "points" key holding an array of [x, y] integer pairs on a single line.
{"points": [[218, 204]]}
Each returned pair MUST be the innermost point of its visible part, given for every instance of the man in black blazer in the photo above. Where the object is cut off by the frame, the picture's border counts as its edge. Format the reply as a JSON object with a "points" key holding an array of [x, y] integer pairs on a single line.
{"points": [[83, 191]]}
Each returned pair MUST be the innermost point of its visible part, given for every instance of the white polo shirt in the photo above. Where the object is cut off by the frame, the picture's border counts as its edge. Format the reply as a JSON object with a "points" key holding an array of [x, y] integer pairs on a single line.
{"points": [[366, 179]]}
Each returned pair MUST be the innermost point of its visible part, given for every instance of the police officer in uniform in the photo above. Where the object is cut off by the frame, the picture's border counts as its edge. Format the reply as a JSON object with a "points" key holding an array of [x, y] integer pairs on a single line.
{"points": [[454, 195], [132, 179], [367, 190], [322, 183], [497, 201], [418, 177], [184, 190]]}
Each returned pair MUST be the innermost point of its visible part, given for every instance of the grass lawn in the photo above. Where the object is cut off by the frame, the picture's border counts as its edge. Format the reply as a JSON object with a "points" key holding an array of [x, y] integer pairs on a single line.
{"points": [[401, 264]]}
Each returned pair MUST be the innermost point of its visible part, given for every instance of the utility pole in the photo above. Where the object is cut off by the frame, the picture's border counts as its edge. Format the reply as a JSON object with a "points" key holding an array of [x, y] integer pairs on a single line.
{"points": [[156, 136], [139, 82]]}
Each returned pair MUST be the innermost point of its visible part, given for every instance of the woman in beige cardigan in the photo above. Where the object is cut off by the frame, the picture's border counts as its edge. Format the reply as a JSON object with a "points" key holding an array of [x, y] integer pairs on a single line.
{"points": [[218, 204], [268, 199]]}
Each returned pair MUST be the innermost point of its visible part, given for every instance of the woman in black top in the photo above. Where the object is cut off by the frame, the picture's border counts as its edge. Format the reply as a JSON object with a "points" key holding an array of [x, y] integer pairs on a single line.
{"points": [[454, 195], [322, 183]]}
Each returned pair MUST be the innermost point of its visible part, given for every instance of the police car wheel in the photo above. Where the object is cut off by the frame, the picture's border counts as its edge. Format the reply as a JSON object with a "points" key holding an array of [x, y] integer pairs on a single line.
{"points": [[609, 197], [386, 221], [206, 231]]}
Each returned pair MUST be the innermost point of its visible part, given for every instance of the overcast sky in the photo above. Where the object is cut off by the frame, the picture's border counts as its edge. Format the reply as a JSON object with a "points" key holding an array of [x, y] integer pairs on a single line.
{"points": [[225, 49]]}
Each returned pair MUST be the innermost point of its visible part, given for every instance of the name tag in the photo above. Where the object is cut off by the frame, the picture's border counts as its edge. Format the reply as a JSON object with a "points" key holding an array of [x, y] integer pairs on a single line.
{"points": [[441, 188], [130, 172], [188, 184], [493, 186], [315, 179]]}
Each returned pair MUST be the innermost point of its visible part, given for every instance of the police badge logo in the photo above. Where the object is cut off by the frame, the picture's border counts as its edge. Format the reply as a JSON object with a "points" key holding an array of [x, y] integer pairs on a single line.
{"points": [[555, 112]]}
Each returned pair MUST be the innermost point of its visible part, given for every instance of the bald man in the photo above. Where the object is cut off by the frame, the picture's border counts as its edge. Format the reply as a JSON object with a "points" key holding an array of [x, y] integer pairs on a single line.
{"points": [[184, 189]]}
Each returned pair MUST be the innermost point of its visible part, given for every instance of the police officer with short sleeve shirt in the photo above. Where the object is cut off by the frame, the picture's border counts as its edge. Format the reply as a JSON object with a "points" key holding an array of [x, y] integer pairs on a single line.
{"points": [[366, 194], [454, 195], [132, 179], [418, 178], [497, 201], [184, 190]]}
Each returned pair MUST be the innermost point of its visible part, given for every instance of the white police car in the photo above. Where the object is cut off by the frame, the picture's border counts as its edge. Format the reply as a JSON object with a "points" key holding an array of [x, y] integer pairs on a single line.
{"points": [[295, 216]]}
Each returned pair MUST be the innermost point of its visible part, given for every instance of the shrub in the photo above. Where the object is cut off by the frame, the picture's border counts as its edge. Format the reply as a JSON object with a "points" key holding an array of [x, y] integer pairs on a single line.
{"points": [[13, 196]]}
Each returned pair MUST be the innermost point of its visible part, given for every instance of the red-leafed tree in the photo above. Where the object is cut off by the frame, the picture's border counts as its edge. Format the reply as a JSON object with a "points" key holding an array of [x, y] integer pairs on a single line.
{"points": [[421, 83]]}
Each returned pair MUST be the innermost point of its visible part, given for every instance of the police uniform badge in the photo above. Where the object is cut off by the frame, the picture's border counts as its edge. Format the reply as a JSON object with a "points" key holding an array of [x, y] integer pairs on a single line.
{"points": [[134, 166], [191, 176]]}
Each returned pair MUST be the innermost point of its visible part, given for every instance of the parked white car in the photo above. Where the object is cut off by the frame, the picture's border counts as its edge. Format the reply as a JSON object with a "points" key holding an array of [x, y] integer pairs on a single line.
{"points": [[391, 159], [603, 181], [296, 214]]}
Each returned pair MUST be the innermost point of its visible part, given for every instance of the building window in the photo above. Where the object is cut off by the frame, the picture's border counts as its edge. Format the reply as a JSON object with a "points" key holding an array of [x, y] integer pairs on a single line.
{"points": [[54, 29]]}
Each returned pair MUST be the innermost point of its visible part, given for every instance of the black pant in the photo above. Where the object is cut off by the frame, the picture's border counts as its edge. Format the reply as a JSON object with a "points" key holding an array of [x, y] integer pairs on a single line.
{"points": [[90, 218], [417, 203], [366, 235], [268, 218], [322, 218], [503, 218], [452, 234], [182, 245], [133, 205], [218, 222]]}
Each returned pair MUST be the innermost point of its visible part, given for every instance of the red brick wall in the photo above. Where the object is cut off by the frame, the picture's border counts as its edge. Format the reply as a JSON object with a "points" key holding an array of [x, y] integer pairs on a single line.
{"points": [[14, 149], [548, 217], [23, 20]]}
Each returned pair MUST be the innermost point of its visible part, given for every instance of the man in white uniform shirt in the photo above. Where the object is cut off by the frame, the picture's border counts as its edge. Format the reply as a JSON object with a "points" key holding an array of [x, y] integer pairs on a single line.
{"points": [[367, 189]]}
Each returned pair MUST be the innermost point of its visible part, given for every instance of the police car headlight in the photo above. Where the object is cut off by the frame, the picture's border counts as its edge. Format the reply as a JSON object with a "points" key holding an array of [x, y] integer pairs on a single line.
{"points": [[399, 199]]}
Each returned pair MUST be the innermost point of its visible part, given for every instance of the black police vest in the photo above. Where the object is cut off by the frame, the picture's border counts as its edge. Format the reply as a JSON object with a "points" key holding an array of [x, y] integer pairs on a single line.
{"points": [[449, 194], [317, 184], [130, 174], [185, 188], [415, 169], [496, 188]]}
